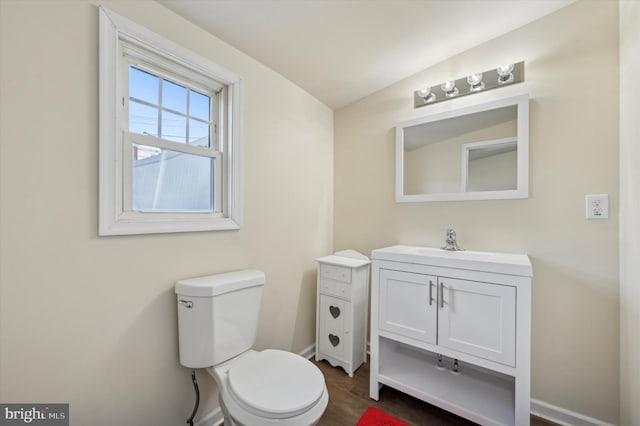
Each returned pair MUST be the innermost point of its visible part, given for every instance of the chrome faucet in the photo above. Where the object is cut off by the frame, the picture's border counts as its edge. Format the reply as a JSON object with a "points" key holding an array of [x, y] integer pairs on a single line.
{"points": [[451, 243]]}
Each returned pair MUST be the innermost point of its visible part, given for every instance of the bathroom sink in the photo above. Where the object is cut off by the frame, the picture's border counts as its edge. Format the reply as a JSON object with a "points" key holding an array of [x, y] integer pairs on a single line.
{"points": [[478, 260], [463, 255]]}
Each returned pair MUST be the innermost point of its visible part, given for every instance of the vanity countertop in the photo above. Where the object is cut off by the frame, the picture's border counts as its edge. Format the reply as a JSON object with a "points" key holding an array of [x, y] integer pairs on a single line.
{"points": [[505, 263]]}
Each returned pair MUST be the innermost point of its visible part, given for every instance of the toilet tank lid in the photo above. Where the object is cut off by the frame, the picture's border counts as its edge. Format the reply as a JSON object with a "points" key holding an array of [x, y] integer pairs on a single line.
{"points": [[214, 285]]}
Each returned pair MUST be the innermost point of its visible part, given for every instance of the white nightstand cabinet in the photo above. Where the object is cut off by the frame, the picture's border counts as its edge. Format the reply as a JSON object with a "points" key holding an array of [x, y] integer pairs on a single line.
{"points": [[453, 329], [341, 314]]}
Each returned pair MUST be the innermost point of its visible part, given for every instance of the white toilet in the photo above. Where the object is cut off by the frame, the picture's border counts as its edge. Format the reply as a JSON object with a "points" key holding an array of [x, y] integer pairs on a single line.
{"points": [[217, 323]]}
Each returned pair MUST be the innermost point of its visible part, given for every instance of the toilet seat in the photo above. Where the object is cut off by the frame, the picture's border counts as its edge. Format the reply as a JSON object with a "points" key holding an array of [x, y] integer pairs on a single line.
{"points": [[238, 412], [275, 384]]}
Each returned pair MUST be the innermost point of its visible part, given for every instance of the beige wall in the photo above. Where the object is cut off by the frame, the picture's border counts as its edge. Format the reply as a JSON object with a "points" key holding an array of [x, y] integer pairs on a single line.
{"points": [[629, 213], [571, 62], [92, 321]]}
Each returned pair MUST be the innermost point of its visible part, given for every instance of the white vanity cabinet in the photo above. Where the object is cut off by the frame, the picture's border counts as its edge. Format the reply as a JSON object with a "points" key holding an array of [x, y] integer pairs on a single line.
{"points": [[341, 314], [473, 310]]}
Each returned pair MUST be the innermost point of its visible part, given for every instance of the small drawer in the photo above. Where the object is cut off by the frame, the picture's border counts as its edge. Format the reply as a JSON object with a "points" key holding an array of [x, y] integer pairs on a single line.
{"points": [[338, 273], [340, 289], [335, 288], [326, 287]]}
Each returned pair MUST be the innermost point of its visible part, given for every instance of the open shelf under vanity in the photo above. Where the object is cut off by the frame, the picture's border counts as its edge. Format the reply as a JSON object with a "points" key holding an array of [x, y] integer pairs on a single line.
{"points": [[478, 394]]}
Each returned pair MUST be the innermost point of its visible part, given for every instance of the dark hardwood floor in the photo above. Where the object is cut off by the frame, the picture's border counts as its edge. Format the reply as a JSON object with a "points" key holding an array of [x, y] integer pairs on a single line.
{"points": [[349, 398]]}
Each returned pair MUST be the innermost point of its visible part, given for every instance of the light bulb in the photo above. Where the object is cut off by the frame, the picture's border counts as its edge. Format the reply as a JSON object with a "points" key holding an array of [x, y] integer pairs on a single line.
{"points": [[504, 73], [475, 82], [449, 88], [425, 93]]}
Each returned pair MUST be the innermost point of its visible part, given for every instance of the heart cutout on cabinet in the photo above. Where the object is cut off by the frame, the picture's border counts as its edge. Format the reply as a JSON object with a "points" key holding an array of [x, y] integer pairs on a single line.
{"points": [[335, 340], [335, 311]]}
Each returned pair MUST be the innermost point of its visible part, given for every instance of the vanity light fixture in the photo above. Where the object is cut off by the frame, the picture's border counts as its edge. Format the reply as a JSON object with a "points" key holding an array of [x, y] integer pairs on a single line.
{"points": [[503, 75]]}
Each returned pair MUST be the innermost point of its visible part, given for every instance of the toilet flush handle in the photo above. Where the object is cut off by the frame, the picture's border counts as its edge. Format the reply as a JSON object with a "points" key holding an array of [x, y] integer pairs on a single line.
{"points": [[186, 303]]}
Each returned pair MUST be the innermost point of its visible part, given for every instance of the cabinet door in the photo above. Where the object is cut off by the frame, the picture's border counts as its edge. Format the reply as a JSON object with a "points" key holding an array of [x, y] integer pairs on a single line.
{"points": [[478, 319], [408, 304], [335, 333]]}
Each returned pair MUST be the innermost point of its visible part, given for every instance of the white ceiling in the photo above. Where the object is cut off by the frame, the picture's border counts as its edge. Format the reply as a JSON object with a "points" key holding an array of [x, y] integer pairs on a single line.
{"points": [[342, 50]]}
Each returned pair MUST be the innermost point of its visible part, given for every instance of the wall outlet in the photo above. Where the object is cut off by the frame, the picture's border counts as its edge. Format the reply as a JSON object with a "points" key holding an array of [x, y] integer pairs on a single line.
{"points": [[597, 206]]}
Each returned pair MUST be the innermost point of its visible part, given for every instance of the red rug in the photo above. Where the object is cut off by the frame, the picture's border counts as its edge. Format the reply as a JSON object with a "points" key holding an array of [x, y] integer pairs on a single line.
{"points": [[375, 417]]}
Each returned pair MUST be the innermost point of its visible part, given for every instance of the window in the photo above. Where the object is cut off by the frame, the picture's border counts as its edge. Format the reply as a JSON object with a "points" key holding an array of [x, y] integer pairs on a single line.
{"points": [[169, 135]]}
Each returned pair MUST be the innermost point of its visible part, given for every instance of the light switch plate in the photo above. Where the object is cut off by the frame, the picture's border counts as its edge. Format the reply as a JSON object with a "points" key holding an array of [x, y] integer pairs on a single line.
{"points": [[597, 206]]}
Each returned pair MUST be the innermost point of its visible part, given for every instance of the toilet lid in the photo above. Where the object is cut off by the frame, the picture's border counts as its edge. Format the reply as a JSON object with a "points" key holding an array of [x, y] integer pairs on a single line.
{"points": [[275, 382]]}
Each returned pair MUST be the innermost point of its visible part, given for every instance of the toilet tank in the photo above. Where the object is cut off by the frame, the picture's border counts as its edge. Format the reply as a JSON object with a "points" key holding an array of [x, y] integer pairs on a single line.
{"points": [[218, 316]]}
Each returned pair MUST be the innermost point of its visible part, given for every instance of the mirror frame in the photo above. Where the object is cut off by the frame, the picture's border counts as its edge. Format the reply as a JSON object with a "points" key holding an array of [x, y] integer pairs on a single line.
{"points": [[522, 129]]}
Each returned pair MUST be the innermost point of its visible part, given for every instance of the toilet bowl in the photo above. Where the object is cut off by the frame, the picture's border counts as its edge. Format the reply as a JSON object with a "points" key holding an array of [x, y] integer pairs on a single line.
{"points": [[217, 324]]}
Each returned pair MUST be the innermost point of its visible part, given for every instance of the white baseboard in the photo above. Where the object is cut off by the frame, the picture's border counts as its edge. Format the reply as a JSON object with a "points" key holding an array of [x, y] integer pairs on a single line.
{"points": [[563, 416], [308, 352]]}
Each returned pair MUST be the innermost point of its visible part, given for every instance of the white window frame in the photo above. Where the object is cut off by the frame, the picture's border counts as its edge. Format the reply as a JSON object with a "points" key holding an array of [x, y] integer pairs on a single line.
{"points": [[116, 217]]}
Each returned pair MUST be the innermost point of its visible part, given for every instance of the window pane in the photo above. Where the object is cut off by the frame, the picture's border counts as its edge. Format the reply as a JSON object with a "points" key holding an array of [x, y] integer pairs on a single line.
{"points": [[143, 119], [143, 86], [174, 97], [174, 127], [172, 181], [198, 133], [199, 105]]}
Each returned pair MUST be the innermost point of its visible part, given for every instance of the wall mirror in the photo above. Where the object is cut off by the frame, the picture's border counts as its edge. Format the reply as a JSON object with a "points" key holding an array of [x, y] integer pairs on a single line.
{"points": [[479, 152]]}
